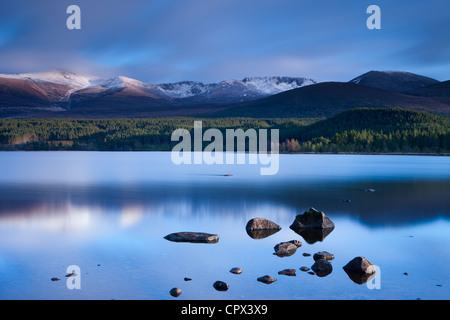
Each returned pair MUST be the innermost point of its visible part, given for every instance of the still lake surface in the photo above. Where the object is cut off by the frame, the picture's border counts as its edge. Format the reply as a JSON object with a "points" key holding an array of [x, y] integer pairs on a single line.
{"points": [[108, 213]]}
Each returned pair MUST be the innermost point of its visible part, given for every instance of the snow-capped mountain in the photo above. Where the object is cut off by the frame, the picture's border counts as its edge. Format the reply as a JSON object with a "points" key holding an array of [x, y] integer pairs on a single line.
{"points": [[67, 84], [233, 90]]}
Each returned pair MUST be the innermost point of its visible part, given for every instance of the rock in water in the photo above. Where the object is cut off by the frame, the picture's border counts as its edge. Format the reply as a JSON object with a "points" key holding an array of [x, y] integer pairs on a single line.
{"points": [[304, 269], [221, 286], [322, 267], [312, 219], [236, 270], [312, 225], [267, 279], [288, 272], [195, 237], [175, 292], [359, 265], [259, 228], [360, 270], [286, 249], [323, 255]]}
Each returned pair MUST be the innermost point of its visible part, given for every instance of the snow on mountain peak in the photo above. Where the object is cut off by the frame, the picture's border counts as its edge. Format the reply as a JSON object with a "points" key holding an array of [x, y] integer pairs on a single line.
{"points": [[273, 85]]}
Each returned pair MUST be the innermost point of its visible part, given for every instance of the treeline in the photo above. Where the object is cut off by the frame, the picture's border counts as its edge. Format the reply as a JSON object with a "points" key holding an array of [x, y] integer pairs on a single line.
{"points": [[359, 130], [150, 134], [374, 131]]}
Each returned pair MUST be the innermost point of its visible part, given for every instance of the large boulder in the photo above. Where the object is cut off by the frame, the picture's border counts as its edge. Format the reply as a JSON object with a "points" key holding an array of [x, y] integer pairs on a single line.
{"points": [[194, 237], [360, 270], [259, 228], [312, 225], [359, 265], [285, 249]]}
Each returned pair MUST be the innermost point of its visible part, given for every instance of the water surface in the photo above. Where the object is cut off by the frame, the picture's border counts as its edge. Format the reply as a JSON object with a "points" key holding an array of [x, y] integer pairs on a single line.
{"points": [[108, 214]]}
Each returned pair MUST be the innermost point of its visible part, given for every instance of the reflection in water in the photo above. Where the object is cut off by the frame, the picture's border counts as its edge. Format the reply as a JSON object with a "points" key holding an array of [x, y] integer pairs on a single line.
{"points": [[313, 235], [120, 225], [261, 233], [393, 203]]}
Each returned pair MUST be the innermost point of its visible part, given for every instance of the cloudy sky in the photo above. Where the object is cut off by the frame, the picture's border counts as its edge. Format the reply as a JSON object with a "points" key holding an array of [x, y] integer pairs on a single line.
{"points": [[211, 40]]}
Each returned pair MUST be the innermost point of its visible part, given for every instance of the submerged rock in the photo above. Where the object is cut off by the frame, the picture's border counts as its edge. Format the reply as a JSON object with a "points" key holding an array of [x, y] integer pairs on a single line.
{"points": [[175, 292], [221, 286], [267, 279], [285, 249], [195, 237], [322, 267], [304, 269], [71, 275], [260, 228]]}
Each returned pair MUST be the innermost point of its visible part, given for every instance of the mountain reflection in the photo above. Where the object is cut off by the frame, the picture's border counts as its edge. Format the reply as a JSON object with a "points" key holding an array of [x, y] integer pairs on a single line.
{"points": [[59, 207]]}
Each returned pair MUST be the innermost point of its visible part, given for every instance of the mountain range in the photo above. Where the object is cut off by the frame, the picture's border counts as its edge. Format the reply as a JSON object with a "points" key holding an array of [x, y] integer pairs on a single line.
{"points": [[65, 94]]}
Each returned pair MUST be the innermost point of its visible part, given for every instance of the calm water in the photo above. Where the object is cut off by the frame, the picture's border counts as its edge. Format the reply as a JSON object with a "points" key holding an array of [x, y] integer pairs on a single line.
{"points": [[108, 214]]}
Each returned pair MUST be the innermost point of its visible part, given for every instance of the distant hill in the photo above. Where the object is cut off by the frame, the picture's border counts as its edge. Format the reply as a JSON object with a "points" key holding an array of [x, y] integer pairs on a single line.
{"points": [[378, 130], [394, 80], [327, 99], [63, 94], [377, 120]]}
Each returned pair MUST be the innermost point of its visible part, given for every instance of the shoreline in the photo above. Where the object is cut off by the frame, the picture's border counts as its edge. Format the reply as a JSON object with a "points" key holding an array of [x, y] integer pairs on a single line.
{"points": [[441, 154]]}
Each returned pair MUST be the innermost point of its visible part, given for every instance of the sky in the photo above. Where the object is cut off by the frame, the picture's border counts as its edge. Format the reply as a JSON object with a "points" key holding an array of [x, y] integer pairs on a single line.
{"points": [[159, 41]]}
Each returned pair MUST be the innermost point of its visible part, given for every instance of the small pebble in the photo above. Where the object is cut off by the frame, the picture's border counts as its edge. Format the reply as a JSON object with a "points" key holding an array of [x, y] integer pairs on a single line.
{"points": [[304, 269], [236, 270], [306, 254], [311, 272], [175, 292], [267, 279], [221, 286]]}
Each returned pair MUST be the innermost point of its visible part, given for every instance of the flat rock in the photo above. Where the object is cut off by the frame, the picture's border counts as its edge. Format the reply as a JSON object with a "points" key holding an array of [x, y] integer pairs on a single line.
{"points": [[267, 279], [323, 255], [288, 272], [285, 249], [194, 237], [304, 269]]}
